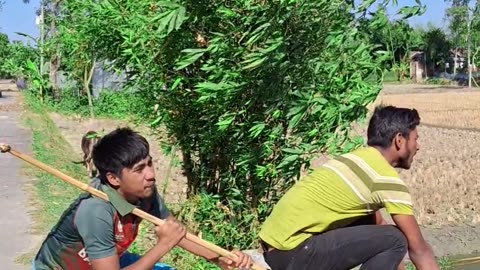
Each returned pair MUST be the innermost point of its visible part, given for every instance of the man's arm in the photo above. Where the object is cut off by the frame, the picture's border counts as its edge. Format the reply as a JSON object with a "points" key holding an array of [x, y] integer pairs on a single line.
{"points": [[420, 252]]}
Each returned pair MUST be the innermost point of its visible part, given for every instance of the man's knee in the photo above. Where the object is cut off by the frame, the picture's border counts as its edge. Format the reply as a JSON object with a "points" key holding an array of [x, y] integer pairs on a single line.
{"points": [[397, 238]]}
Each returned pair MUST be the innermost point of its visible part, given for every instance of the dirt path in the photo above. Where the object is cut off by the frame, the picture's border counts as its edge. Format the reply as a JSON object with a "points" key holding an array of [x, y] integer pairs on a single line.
{"points": [[15, 221]]}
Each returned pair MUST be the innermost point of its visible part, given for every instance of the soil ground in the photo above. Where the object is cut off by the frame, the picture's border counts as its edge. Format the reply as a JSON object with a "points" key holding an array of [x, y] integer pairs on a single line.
{"points": [[443, 179]]}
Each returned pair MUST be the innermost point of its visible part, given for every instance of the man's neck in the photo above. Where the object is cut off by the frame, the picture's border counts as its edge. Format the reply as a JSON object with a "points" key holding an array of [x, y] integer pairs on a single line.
{"points": [[130, 199], [387, 154]]}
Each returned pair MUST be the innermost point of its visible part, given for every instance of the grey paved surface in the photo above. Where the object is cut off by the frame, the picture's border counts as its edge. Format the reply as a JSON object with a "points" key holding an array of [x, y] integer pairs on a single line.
{"points": [[15, 223]]}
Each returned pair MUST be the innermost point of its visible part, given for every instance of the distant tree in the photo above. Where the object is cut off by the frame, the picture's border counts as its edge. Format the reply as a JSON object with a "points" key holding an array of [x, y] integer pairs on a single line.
{"points": [[436, 45], [464, 27], [49, 11], [395, 36], [4, 52]]}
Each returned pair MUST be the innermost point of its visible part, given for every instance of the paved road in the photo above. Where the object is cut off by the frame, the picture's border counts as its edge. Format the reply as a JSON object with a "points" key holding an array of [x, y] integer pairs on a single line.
{"points": [[15, 224]]}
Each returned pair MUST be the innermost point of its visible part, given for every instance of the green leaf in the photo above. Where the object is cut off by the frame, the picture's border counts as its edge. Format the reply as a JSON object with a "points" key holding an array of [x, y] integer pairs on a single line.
{"points": [[313, 132], [256, 130], [271, 48], [165, 20], [295, 120], [365, 5], [212, 86], [189, 59], [193, 51], [252, 39], [292, 151], [176, 83], [226, 11], [176, 19], [171, 4], [224, 124], [288, 160], [181, 18], [36, 84], [255, 64], [276, 114], [260, 28]]}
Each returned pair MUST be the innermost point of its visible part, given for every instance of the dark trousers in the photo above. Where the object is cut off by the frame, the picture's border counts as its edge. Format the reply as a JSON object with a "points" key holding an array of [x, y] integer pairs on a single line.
{"points": [[373, 246]]}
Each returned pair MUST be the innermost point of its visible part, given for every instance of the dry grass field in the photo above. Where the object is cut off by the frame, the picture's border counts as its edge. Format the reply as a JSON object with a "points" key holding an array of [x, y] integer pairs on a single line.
{"points": [[446, 110]]}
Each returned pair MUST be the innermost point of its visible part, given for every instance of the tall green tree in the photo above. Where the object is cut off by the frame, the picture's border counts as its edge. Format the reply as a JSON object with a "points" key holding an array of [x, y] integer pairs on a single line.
{"points": [[52, 11], [464, 18], [395, 36], [48, 12], [75, 41]]}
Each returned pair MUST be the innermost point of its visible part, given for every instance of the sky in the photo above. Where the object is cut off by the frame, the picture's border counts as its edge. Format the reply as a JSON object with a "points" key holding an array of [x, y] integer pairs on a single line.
{"points": [[19, 17], [435, 13]]}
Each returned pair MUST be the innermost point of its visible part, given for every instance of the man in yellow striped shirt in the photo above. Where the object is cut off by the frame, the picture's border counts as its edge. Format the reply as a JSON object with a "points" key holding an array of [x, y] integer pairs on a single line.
{"points": [[330, 219]]}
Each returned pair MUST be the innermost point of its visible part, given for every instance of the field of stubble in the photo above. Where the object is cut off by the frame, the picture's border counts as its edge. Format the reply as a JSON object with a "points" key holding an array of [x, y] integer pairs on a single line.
{"points": [[444, 179]]}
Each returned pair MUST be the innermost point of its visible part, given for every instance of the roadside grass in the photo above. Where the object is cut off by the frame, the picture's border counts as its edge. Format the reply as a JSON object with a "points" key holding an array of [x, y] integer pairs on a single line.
{"points": [[445, 264], [49, 195]]}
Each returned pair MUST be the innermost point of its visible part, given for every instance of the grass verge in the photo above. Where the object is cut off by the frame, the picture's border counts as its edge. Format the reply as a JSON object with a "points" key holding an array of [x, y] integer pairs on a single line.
{"points": [[444, 263], [50, 196]]}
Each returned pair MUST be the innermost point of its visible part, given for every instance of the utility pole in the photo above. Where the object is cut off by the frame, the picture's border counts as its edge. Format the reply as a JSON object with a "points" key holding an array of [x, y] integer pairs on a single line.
{"points": [[42, 31], [469, 24]]}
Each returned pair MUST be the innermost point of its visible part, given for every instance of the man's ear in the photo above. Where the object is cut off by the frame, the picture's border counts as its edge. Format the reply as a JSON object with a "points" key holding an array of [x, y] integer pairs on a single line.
{"points": [[398, 141], [113, 179]]}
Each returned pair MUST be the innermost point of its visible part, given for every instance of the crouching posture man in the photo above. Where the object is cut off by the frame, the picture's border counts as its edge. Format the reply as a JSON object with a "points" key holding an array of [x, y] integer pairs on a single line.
{"points": [[95, 234], [330, 219]]}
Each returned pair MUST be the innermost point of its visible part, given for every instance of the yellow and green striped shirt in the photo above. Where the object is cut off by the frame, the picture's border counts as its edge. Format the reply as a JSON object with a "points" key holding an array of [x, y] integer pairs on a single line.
{"points": [[342, 190]]}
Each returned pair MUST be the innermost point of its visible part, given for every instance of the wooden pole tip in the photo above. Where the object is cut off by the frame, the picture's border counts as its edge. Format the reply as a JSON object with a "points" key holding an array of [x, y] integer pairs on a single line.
{"points": [[4, 147]]}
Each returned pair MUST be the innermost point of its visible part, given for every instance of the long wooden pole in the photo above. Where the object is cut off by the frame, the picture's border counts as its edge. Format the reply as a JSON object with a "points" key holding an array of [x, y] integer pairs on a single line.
{"points": [[4, 148], [467, 261]]}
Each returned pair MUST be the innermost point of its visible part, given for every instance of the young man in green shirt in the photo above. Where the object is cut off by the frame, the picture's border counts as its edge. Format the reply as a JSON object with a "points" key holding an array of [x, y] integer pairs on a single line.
{"points": [[95, 234], [330, 219]]}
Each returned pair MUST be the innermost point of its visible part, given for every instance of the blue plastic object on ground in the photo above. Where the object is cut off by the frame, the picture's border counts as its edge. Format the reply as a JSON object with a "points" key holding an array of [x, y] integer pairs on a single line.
{"points": [[129, 258]]}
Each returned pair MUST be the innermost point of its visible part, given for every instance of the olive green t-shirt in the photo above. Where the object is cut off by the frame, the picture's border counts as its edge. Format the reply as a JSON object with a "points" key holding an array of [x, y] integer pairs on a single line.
{"points": [[336, 194]]}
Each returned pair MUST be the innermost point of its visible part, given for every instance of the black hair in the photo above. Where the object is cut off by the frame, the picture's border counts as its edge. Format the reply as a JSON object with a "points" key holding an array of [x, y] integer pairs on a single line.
{"points": [[387, 121], [121, 148]]}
